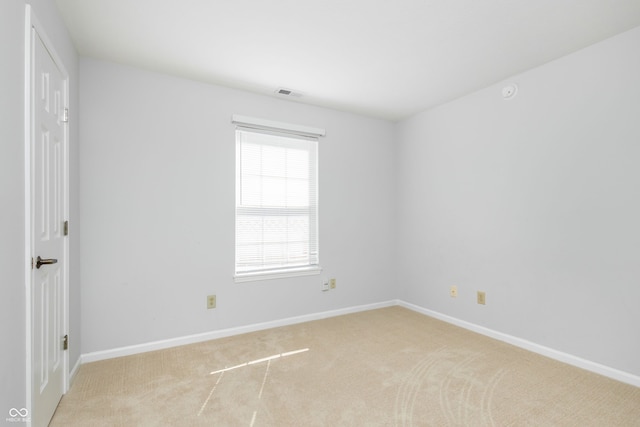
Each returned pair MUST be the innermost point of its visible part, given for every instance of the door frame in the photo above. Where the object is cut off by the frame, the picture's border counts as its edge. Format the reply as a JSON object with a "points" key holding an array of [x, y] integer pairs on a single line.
{"points": [[31, 22]]}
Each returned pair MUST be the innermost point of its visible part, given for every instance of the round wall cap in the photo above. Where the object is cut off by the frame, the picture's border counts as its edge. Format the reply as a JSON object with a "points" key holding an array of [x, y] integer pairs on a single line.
{"points": [[509, 91]]}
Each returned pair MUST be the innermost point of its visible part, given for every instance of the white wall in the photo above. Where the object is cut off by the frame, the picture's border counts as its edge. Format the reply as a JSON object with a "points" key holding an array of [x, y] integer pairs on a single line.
{"points": [[536, 201], [157, 202], [13, 362], [12, 300]]}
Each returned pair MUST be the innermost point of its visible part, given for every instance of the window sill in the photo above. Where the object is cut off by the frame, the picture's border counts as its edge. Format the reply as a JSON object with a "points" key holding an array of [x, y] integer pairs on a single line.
{"points": [[254, 277]]}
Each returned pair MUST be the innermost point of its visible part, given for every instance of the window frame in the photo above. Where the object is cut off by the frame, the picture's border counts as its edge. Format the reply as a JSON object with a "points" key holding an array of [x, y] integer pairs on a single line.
{"points": [[291, 132]]}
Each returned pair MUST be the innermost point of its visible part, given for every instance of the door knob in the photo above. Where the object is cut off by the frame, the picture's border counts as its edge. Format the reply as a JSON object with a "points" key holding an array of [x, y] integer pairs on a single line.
{"points": [[40, 262]]}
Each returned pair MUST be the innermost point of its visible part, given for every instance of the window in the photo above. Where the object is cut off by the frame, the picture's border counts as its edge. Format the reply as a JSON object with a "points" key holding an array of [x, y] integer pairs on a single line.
{"points": [[276, 200]]}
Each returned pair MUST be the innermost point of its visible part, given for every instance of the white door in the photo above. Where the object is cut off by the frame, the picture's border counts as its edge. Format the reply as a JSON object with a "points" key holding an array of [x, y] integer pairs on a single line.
{"points": [[48, 207]]}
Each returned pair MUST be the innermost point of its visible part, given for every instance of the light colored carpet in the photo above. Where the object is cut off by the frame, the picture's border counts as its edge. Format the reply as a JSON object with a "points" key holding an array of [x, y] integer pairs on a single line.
{"points": [[387, 367]]}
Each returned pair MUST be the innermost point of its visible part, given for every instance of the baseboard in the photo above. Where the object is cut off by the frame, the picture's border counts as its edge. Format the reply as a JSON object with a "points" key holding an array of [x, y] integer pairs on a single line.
{"points": [[74, 371], [192, 339], [72, 374], [588, 365], [569, 359]]}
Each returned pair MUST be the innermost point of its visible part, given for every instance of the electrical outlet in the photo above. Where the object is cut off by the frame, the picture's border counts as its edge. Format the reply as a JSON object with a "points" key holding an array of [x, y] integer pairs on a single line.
{"points": [[481, 298], [325, 285], [211, 301], [332, 283], [453, 291]]}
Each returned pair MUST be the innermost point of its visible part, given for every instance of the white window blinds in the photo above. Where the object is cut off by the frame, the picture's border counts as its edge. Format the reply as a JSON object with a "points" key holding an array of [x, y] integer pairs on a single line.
{"points": [[276, 203]]}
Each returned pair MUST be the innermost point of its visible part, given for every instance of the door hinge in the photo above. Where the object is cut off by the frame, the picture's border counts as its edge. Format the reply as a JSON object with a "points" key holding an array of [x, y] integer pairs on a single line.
{"points": [[65, 115], [65, 228], [65, 342], [32, 264]]}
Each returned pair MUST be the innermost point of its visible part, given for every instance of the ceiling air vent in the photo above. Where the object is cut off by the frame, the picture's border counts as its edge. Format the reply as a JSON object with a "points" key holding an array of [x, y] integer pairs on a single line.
{"points": [[287, 92]]}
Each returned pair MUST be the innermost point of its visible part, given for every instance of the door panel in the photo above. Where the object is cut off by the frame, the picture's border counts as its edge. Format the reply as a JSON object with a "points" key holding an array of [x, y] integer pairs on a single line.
{"points": [[48, 210]]}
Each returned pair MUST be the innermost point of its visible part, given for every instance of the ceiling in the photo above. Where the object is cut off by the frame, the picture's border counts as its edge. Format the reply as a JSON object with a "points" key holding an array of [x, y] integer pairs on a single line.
{"points": [[386, 59]]}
